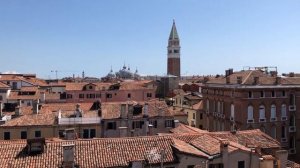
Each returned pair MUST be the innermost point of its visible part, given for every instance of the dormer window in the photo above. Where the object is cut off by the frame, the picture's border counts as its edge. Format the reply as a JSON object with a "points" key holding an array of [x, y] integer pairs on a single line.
{"points": [[35, 146]]}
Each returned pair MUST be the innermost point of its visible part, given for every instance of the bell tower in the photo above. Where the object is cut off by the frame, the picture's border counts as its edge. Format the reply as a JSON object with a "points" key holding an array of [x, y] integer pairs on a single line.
{"points": [[174, 52]]}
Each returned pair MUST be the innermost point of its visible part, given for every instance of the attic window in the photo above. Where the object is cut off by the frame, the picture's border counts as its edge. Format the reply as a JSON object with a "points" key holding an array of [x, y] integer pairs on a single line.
{"points": [[137, 109], [36, 146], [90, 87]]}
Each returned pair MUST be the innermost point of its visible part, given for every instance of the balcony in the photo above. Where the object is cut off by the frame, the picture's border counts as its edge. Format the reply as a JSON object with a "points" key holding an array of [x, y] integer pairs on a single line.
{"points": [[250, 121], [292, 107], [283, 118], [292, 151], [292, 128], [78, 120], [262, 120]]}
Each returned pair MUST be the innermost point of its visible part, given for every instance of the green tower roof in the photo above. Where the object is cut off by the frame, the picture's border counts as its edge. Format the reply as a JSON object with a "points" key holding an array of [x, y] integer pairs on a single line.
{"points": [[174, 34]]}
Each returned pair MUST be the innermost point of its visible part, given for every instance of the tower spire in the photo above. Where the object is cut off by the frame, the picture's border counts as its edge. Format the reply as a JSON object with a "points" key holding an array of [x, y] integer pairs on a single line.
{"points": [[173, 33]]}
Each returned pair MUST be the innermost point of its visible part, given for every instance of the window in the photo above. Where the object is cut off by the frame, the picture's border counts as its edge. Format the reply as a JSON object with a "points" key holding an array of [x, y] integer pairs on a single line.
{"points": [[23, 135], [273, 93], [190, 166], [6, 135], [85, 133], [1, 98], [169, 123], [283, 132], [154, 123], [129, 95], [194, 115], [61, 133], [89, 133], [201, 116], [283, 93], [37, 134], [111, 125], [262, 94], [241, 164], [273, 132], [98, 95], [273, 112], [292, 120], [250, 94], [90, 87], [292, 142], [283, 110], [262, 115], [108, 95], [149, 95], [292, 99], [232, 111], [219, 107], [137, 124], [92, 133], [81, 96], [176, 51], [207, 105], [14, 85], [69, 96], [250, 113]]}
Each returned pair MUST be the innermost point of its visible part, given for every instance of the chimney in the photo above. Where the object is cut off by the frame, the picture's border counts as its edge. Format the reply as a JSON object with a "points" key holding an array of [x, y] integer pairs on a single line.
{"points": [[224, 151], [291, 74], [70, 134], [43, 97], [256, 80], [239, 79], [1, 107], [123, 131], [228, 72], [146, 113], [18, 111], [123, 110], [176, 123], [161, 112], [227, 80], [35, 108], [282, 156], [273, 73], [68, 156], [205, 79], [278, 80], [78, 111]]}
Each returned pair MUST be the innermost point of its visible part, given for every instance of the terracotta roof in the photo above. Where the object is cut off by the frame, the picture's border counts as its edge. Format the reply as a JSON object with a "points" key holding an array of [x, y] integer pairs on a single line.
{"points": [[183, 147], [198, 106], [112, 109], [79, 86], [113, 152], [134, 85], [182, 128], [44, 117], [54, 107], [15, 95], [29, 88], [3, 85]]}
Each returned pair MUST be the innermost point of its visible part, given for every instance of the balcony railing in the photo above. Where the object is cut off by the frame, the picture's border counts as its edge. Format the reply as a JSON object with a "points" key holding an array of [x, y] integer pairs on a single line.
{"points": [[79, 120], [292, 107], [292, 128]]}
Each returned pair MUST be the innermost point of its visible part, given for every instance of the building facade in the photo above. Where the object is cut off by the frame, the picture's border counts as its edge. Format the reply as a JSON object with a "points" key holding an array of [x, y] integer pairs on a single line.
{"points": [[255, 99]]}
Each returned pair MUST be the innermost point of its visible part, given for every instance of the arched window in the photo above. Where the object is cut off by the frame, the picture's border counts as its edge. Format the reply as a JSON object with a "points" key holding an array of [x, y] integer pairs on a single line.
{"points": [[250, 113], [219, 107], [283, 112], [262, 114], [207, 105], [273, 112], [232, 110]]}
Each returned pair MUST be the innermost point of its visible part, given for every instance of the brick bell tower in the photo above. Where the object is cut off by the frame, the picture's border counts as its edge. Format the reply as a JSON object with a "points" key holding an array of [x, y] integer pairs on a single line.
{"points": [[174, 52]]}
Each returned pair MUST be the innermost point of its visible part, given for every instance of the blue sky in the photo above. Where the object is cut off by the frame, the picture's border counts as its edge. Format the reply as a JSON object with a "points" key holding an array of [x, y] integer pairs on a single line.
{"points": [[37, 36]]}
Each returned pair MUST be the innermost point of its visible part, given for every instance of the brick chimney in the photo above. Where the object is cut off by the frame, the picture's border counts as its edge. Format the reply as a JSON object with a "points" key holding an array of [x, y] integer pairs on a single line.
{"points": [[224, 152], [68, 156]]}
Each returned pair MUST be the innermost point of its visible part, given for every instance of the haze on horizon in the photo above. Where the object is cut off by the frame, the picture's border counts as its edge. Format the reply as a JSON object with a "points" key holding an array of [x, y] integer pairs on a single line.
{"points": [[72, 36]]}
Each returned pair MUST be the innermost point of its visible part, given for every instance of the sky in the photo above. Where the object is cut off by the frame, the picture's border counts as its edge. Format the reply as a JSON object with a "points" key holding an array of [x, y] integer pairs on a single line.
{"points": [[71, 36]]}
